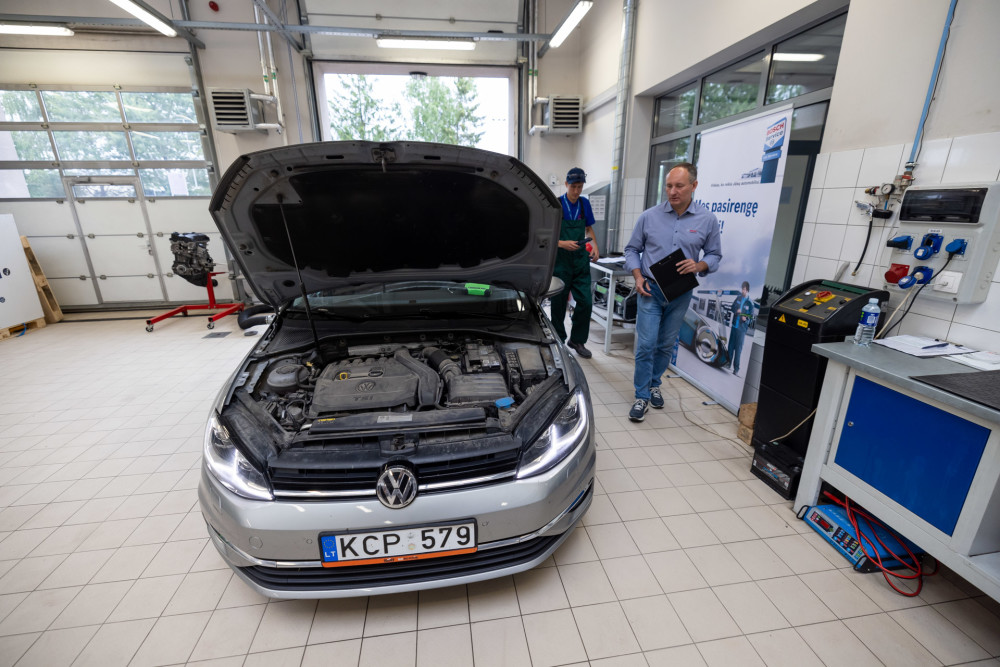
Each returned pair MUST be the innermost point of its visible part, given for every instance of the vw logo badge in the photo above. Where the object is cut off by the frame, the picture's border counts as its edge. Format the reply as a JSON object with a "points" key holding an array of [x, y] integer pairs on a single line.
{"points": [[397, 487]]}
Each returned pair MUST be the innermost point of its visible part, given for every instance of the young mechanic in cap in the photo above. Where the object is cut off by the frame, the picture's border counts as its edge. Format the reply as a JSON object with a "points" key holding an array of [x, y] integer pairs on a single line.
{"points": [[573, 263]]}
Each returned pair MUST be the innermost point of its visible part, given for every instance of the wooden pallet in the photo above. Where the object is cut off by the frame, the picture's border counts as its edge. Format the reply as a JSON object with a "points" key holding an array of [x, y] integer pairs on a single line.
{"points": [[19, 329], [53, 313]]}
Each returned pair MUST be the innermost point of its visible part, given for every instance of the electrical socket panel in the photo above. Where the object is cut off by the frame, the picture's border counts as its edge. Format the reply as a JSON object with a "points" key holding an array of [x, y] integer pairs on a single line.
{"points": [[935, 216]]}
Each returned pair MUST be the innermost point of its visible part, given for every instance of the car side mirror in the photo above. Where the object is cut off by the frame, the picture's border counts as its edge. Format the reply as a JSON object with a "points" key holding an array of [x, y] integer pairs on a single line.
{"points": [[555, 287]]}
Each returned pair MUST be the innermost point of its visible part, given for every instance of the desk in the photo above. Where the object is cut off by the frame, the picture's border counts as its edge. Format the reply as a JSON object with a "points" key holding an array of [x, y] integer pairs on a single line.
{"points": [[923, 460], [608, 319]]}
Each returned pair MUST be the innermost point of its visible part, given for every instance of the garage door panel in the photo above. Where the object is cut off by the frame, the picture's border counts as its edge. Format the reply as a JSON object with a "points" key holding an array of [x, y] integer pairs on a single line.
{"points": [[120, 256], [40, 218], [103, 217], [180, 215], [130, 288], [59, 256], [73, 291]]}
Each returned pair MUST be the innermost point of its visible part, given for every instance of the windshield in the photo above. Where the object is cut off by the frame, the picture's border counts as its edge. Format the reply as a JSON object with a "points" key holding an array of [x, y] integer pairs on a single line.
{"points": [[414, 299]]}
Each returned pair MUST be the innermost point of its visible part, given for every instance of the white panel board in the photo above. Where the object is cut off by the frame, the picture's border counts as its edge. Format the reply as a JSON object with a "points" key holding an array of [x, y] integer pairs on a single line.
{"points": [[59, 256], [110, 217], [180, 215], [18, 297], [120, 256], [41, 218], [73, 291], [130, 288]]}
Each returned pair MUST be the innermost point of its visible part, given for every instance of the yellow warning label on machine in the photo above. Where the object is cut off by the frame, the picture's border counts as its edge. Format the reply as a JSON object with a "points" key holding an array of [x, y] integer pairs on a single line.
{"points": [[803, 324], [781, 318]]}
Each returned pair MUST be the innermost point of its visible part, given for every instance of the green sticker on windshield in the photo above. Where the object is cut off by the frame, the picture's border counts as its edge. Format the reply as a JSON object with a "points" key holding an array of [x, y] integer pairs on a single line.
{"points": [[478, 289]]}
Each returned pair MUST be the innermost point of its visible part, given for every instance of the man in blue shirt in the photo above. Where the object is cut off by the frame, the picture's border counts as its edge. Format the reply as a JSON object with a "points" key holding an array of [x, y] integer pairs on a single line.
{"points": [[573, 263], [680, 223], [742, 310]]}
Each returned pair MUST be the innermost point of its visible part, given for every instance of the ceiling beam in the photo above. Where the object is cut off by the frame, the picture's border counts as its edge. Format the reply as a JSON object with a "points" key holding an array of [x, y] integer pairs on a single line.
{"points": [[304, 29]]}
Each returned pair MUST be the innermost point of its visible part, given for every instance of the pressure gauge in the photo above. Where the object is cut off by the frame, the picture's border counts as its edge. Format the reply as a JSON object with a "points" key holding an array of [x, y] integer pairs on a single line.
{"points": [[887, 189]]}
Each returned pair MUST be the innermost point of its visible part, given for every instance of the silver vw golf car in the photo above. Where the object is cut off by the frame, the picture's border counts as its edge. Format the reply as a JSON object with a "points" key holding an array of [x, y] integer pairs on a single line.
{"points": [[408, 420]]}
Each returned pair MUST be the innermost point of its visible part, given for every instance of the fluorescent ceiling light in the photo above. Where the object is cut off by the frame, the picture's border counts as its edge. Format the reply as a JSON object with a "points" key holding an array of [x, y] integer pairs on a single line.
{"points": [[798, 57], [146, 16], [35, 29], [570, 22], [410, 43]]}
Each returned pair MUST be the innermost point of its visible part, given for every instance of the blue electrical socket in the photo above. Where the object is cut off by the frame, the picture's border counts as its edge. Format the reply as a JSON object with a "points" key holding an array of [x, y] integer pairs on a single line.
{"points": [[929, 245], [957, 247]]}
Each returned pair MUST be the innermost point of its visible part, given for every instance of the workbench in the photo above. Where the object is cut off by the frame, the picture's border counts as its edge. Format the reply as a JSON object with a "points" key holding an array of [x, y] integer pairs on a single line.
{"points": [[606, 316], [923, 460]]}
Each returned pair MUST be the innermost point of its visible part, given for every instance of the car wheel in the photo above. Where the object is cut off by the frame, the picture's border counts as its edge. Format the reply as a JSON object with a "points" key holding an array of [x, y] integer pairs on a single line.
{"points": [[707, 346]]}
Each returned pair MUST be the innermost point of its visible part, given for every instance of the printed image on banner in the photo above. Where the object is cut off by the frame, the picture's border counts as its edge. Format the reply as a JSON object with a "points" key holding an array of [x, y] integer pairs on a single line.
{"points": [[740, 170]]}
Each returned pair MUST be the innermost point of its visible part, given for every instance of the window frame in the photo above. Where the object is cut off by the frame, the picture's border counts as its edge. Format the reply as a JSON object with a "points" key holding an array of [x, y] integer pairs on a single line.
{"points": [[132, 163], [653, 193]]}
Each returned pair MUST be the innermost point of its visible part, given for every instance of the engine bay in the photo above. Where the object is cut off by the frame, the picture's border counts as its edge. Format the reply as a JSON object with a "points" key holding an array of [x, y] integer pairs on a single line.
{"points": [[297, 390]]}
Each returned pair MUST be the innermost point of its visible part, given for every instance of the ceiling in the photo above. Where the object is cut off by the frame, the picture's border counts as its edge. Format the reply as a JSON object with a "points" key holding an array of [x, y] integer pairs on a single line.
{"points": [[500, 17]]}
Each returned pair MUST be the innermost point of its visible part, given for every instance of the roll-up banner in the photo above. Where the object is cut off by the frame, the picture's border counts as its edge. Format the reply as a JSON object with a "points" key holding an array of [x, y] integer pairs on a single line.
{"points": [[740, 171]]}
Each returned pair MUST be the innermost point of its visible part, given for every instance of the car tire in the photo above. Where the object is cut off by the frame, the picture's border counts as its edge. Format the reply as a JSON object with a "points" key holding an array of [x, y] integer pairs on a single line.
{"points": [[707, 346]]}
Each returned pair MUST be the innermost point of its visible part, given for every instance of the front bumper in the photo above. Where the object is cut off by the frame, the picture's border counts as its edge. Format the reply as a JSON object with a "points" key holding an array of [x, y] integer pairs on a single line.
{"points": [[274, 545]]}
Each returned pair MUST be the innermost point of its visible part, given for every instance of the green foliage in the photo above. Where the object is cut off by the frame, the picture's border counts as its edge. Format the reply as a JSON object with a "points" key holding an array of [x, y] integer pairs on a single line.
{"points": [[445, 115], [356, 114], [436, 109]]}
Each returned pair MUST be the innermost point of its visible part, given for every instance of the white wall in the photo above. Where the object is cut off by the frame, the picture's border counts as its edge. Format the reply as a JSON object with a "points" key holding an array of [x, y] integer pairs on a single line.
{"points": [[869, 134]]}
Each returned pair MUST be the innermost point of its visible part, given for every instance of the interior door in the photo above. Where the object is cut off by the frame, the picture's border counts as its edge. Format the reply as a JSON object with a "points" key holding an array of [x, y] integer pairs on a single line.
{"points": [[113, 217]]}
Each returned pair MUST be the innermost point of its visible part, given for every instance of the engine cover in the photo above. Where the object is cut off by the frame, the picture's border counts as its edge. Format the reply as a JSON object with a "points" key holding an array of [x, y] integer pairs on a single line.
{"points": [[363, 384]]}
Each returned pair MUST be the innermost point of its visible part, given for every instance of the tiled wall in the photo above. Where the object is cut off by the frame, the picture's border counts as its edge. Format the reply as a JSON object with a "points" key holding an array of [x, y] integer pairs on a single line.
{"points": [[634, 204], [834, 230]]}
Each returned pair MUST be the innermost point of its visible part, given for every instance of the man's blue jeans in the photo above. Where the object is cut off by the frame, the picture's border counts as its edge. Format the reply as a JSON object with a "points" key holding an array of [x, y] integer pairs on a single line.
{"points": [[657, 325]]}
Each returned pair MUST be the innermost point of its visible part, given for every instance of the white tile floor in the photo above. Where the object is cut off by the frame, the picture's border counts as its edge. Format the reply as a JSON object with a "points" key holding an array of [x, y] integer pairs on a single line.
{"points": [[683, 559]]}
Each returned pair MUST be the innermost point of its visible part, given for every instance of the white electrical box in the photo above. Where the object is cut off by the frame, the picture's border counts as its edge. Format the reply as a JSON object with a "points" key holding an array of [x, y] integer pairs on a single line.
{"points": [[18, 298], [962, 221]]}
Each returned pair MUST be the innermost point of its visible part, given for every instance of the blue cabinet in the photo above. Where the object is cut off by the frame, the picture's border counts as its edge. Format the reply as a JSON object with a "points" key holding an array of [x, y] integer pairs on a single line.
{"points": [[916, 454]]}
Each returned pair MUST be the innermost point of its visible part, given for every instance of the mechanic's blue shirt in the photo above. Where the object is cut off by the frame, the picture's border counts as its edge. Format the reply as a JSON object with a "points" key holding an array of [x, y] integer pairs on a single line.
{"points": [[575, 211], [659, 231], [742, 309]]}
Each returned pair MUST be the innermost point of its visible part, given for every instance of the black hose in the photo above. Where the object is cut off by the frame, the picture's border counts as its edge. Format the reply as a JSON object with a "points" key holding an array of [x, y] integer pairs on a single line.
{"points": [[245, 318]]}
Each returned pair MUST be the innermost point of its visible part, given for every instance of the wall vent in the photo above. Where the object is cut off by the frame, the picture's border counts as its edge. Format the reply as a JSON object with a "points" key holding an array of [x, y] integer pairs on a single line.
{"points": [[564, 114], [235, 110]]}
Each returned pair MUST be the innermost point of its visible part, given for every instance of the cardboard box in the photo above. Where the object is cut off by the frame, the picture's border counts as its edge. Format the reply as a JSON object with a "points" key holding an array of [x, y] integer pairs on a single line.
{"points": [[744, 433], [747, 414]]}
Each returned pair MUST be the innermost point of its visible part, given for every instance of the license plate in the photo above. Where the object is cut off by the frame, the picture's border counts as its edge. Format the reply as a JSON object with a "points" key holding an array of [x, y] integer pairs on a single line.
{"points": [[393, 546]]}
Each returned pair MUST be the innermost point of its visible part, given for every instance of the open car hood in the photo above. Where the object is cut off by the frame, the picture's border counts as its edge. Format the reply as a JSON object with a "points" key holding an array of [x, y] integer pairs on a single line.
{"points": [[359, 212]]}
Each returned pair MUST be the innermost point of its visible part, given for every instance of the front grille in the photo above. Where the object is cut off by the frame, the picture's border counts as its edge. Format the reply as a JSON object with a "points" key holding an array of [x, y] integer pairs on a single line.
{"points": [[357, 477], [397, 574]]}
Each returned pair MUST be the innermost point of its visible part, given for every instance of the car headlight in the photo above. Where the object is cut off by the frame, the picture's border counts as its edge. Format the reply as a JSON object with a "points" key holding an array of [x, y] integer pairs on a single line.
{"points": [[568, 430], [230, 466]]}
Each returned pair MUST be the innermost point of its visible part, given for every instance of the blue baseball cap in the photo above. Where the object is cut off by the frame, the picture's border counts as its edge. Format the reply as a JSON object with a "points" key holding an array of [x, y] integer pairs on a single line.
{"points": [[576, 175]]}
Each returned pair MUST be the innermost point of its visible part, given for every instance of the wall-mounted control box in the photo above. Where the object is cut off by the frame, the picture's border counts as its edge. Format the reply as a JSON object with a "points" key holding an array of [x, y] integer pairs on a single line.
{"points": [[938, 221]]}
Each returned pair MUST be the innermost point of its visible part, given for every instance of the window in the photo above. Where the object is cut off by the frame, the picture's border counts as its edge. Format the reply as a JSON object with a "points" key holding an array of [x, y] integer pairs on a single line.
{"points": [[800, 70], [384, 102], [806, 62], [732, 90], [675, 111], [154, 135]]}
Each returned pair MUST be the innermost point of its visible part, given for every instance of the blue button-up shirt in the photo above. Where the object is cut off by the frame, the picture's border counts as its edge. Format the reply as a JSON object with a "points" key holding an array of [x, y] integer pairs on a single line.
{"points": [[659, 231]]}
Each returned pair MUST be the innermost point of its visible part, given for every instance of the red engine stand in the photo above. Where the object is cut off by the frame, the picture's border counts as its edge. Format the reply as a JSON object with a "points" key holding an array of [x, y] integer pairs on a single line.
{"points": [[226, 308]]}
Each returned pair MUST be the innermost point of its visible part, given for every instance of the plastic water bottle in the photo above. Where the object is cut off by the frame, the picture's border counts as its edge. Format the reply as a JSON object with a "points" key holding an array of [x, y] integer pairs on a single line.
{"points": [[866, 326]]}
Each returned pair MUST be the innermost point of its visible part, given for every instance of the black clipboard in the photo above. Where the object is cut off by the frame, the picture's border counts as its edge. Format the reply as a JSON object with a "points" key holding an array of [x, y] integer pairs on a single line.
{"points": [[671, 283]]}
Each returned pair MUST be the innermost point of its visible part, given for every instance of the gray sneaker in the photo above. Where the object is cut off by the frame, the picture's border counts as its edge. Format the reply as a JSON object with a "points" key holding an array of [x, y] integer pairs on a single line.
{"points": [[638, 411], [655, 398]]}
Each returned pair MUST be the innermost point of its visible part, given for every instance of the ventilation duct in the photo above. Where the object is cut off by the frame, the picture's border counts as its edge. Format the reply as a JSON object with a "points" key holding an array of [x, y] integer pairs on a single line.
{"points": [[563, 114], [238, 110]]}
